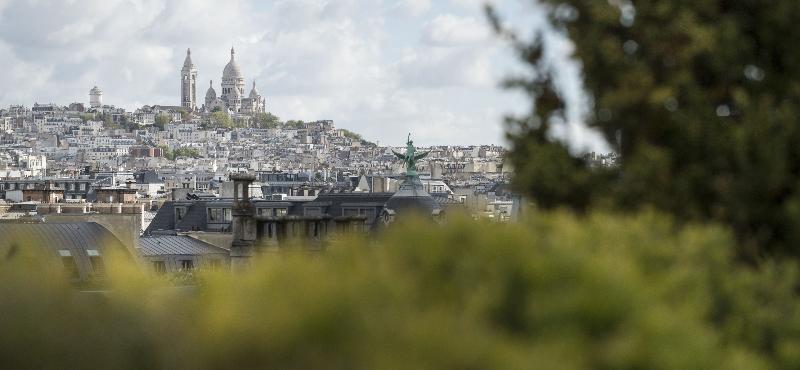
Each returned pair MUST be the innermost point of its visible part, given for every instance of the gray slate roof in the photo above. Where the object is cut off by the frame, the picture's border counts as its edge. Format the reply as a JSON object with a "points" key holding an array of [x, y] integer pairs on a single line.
{"points": [[195, 218], [164, 219], [176, 245]]}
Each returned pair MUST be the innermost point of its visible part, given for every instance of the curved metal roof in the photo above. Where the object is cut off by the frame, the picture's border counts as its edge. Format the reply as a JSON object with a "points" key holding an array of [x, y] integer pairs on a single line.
{"points": [[52, 237], [412, 195]]}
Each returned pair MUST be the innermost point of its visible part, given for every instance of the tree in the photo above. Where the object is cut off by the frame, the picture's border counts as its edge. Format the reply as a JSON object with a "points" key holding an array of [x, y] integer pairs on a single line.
{"points": [[186, 152], [167, 152], [698, 98], [267, 120], [162, 120], [352, 135], [87, 117], [294, 124], [221, 120], [108, 121], [185, 114], [132, 126], [357, 137]]}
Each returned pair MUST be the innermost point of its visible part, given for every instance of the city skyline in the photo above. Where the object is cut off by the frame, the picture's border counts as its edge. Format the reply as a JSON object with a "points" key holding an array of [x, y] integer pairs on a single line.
{"points": [[370, 66]]}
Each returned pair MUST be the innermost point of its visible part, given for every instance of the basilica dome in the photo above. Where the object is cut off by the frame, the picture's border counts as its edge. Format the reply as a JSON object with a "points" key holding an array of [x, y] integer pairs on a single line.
{"points": [[211, 94], [253, 92], [232, 70]]}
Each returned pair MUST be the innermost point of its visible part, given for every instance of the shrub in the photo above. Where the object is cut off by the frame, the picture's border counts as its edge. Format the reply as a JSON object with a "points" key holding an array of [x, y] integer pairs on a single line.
{"points": [[603, 291]]}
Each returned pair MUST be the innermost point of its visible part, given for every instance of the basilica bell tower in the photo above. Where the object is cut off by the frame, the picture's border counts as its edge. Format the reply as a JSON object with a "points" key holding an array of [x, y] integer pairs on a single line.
{"points": [[188, 83]]}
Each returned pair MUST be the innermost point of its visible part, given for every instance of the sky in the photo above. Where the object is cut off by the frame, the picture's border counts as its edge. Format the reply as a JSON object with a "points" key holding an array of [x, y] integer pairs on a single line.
{"points": [[382, 68]]}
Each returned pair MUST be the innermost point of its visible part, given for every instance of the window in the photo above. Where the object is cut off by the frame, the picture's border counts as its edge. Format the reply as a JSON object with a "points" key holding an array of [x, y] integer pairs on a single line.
{"points": [[214, 214], [280, 211], [160, 267], [265, 212], [187, 265], [220, 215], [313, 211], [70, 268], [369, 213], [179, 213]]}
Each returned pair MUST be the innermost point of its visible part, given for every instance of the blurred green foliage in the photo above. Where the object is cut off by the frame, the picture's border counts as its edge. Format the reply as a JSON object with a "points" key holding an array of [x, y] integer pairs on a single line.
{"points": [[554, 292], [700, 98]]}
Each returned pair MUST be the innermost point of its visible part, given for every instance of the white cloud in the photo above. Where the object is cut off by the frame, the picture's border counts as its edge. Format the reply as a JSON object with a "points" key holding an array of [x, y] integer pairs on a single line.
{"points": [[413, 8], [469, 4], [443, 67], [71, 32], [450, 30]]}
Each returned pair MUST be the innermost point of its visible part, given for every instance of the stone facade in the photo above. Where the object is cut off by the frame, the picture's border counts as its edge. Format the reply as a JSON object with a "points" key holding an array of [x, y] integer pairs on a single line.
{"points": [[189, 83]]}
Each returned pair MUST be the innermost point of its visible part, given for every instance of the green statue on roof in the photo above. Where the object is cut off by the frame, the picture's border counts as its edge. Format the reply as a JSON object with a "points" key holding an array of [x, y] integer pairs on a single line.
{"points": [[410, 159]]}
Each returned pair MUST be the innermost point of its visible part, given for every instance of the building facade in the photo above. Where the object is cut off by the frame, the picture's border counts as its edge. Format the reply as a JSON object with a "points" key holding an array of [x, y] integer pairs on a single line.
{"points": [[95, 97]]}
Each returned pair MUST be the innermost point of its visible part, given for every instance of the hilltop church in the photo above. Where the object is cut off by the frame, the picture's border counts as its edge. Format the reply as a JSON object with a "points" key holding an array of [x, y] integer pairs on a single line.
{"points": [[231, 99]]}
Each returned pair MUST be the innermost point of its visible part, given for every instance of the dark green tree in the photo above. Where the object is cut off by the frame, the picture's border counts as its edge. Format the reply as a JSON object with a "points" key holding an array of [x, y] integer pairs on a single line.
{"points": [[167, 152], [352, 135], [87, 117], [221, 119], [700, 100], [186, 152], [185, 115], [294, 124], [108, 121], [162, 120], [267, 120]]}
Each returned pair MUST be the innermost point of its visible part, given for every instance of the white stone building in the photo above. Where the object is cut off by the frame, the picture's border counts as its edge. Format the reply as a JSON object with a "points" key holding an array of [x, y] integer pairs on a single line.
{"points": [[95, 97], [189, 83], [232, 97]]}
